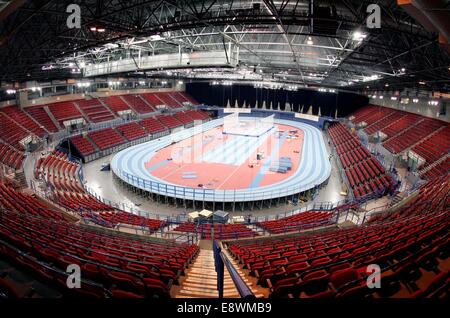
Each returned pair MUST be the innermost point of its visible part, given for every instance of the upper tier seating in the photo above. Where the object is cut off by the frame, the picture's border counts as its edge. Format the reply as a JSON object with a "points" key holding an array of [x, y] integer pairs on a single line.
{"points": [[221, 231], [11, 132], [152, 125], [106, 138], [361, 114], [298, 222], [41, 116], [84, 146], [131, 131], [168, 100], [138, 104], [434, 147], [13, 200], [404, 123], [179, 98], [365, 174], [11, 157], [414, 134], [64, 111], [169, 121], [115, 103], [430, 197], [22, 118], [78, 201], [59, 171], [152, 99], [95, 110], [110, 262]]}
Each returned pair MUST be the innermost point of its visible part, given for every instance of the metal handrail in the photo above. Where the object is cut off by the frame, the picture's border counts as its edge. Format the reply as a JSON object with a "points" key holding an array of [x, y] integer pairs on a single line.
{"points": [[222, 260]]}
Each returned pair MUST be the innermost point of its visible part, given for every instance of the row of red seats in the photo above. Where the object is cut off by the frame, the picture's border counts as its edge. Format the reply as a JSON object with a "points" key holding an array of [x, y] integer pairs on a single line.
{"points": [[69, 193], [131, 131], [11, 157], [180, 98], [168, 100], [433, 148], [79, 201], [59, 171], [364, 173], [440, 169], [152, 99], [188, 98], [197, 114], [349, 158], [13, 200], [361, 114], [414, 134], [138, 266], [221, 231], [299, 222], [106, 138], [95, 110], [139, 104], [378, 114], [115, 217], [403, 123], [63, 111], [11, 132], [169, 121], [183, 118], [430, 197], [19, 116], [84, 146], [115, 103], [304, 266], [40, 115], [110, 137], [391, 117], [152, 125]]}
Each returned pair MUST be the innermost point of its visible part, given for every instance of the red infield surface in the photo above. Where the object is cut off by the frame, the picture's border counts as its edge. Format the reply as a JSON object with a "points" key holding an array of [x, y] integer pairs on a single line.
{"points": [[185, 158]]}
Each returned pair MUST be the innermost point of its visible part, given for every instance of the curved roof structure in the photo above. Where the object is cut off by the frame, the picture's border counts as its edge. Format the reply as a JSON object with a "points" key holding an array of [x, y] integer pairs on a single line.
{"points": [[303, 42]]}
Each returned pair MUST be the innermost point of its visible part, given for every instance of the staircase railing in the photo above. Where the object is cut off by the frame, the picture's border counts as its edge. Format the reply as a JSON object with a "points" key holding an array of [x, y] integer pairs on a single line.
{"points": [[221, 261]]}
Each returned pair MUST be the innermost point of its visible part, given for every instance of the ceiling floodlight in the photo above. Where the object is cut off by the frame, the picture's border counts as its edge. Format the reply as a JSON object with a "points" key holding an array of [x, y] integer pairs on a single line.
{"points": [[310, 41], [359, 36]]}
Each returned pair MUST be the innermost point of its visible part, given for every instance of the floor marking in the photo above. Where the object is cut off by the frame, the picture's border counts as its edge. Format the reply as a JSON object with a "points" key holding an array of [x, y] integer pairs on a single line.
{"points": [[260, 175]]}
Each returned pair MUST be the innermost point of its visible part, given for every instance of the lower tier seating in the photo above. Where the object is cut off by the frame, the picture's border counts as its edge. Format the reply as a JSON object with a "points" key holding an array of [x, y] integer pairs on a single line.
{"points": [[334, 264]]}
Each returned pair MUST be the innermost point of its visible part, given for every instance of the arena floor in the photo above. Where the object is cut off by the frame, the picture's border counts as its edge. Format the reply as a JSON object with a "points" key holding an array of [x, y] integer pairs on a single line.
{"points": [[204, 163]]}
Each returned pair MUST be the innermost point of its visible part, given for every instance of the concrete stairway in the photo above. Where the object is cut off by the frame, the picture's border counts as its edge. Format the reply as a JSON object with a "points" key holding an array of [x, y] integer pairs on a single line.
{"points": [[201, 279]]}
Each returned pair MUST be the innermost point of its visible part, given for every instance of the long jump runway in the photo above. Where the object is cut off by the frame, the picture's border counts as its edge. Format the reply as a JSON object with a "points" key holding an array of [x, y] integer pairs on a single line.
{"points": [[203, 164]]}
